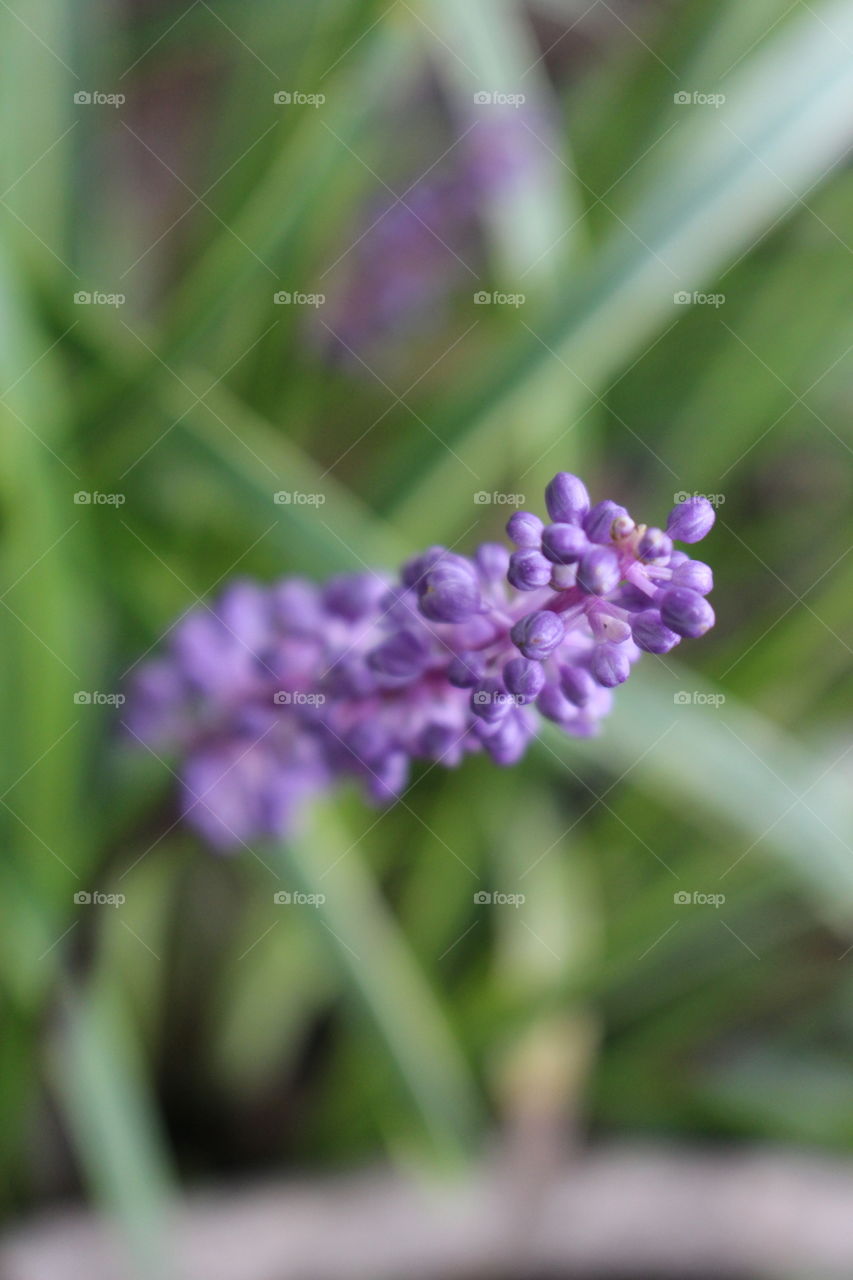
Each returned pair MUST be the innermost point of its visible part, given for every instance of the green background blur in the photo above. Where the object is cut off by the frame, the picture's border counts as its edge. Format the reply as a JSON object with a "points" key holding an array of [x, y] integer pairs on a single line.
{"points": [[198, 1030]]}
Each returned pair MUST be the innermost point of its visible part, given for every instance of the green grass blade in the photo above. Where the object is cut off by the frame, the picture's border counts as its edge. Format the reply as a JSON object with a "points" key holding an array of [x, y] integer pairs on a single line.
{"points": [[730, 764], [376, 960], [98, 1074]]}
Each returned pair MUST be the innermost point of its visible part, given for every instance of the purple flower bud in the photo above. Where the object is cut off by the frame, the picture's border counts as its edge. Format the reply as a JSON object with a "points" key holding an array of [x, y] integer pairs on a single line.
{"points": [[651, 634], [599, 571], [554, 704], [564, 576], [490, 700], [610, 665], [538, 634], [233, 792], [605, 626], [524, 678], [350, 677], [507, 745], [686, 612], [564, 543], [442, 742], [691, 520], [403, 655], [577, 684], [400, 605], [450, 591], [388, 779], [598, 523], [629, 596], [465, 670], [415, 568], [297, 606], [524, 529], [492, 559], [566, 498], [528, 570], [158, 712], [244, 611], [211, 659], [477, 632], [368, 741], [655, 547], [354, 595], [694, 575]]}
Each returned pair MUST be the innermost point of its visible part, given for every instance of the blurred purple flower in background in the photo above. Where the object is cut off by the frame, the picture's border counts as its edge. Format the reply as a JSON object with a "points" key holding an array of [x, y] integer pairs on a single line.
{"points": [[414, 250], [282, 690]]}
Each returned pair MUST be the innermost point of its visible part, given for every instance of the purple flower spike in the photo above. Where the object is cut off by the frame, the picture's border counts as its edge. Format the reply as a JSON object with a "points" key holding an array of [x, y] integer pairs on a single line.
{"points": [[564, 543], [686, 612], [524, 529], [528, 570], [275, 693], [566, 498], [690, 521], [599, 571], [539, 634]]}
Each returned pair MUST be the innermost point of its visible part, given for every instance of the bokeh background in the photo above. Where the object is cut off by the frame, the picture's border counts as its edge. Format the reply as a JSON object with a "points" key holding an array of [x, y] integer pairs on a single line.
{"points": [[402, 262]]}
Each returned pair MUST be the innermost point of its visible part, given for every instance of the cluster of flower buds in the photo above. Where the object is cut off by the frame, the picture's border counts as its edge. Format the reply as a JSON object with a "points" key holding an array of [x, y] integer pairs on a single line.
{"points": [[281, 690]]}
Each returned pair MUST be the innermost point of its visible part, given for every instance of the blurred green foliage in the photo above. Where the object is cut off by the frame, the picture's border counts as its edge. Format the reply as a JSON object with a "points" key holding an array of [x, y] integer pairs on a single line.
{"points": [[197, 1029]]}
